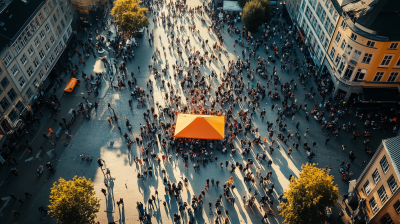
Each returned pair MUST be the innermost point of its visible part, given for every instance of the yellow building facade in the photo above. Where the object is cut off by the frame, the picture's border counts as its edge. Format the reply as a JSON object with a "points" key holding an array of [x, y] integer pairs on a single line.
{"points": [[363, 57], [377, 190]]}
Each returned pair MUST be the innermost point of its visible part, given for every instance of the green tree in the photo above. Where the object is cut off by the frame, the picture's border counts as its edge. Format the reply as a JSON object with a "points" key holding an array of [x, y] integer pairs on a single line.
{"points": [[308, 196], [242, 3], [74, 201], [267, 10], [253, 15], [129, 16]]}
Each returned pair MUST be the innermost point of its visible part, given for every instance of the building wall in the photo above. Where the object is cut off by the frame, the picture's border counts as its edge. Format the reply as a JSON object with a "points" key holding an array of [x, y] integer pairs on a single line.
{"points": [[389, 210], [318, 19], [360, 61], [375, 187], [33, 54]]}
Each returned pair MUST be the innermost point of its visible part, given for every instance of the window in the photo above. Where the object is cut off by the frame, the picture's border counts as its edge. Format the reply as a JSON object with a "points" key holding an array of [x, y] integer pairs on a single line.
{"points": [[393, 77], [56, 52], [54, 2], [30, 50], [353, 37], [398, 63], [319, 10], [341, 66], [7, 59], [17, 47], [22, 81], [392, 184], [62, 23], [337, 60], [382, 194], [327, 25], [59, 30], [312, 3], [46, 11], [333, 52], [12, 95], [377, 78], [367, 188], [376, 176], [47, 66], [52, 39], [47, 46], [47, 27], [367, 58], [373, 205], [349, 71], [338, 36], [24, 59], [396, 206], [356, 55], [41, 17], [30, 71], [322, 17], [326, 41], [5, 82], [42, 34], [343, 25], [4, 103], [36, 62], [386, 60], [331, 28], [20, 106], [41, 74], [1, 71], [384, 163], [41, 54], [302, 6], [343, 44], [51, 57], [14, 70], [370, 43], [349, 49], [360, 74], [29, 93], [386, 219], [13, 115], [37, 41], [54, 17]]}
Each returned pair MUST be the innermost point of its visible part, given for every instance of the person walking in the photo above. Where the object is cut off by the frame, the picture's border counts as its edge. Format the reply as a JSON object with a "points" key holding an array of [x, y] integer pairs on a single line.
{"points": [[108, 172], [27, 194], [16, 213], [327, 139]]}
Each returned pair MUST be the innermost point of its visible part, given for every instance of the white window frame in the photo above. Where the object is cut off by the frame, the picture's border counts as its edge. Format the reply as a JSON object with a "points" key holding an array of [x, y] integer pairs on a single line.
{"points": [[343, 25], [395, 74], [367, 188], [42, 54], [370, 43], [353, 37], [359, 73], [386, 60], [42, 34], [370, 56], [24, 59], [333, 51], [382, 194], [14, 70], [394, 46], [30, 71], [7, 59], [31, 50], [37, 41], [47, 46], [52, 39], [385, 165], [36, 62], [51, 58], [343, 45], [392, 183], [23, 83], [378, 75], [41, 74], [47, 66], [376, 176], [47, 27], [337, 38], [374, 205], [357, 54]]}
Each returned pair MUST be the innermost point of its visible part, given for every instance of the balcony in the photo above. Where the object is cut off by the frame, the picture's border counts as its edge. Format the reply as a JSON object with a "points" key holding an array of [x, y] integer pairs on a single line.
{"points": [[343, 80]]}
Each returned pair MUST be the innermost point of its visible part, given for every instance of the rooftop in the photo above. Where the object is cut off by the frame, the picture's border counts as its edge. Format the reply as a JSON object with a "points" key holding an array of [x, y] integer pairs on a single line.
{"points": [[14, 16], [377, 17], [392, 145]]}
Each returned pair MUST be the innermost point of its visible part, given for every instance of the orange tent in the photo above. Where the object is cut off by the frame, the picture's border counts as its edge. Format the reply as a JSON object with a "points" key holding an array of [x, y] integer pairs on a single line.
{"points": [[200, 126], [70, 85]]}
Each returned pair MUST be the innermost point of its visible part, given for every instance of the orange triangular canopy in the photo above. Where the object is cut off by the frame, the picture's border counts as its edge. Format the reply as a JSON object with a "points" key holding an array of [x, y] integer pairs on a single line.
{"points": [[200, 126]]}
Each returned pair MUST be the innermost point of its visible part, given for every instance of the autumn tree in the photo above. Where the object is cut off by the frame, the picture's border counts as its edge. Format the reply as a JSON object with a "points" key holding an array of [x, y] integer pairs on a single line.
{"points": [[308, 196], [74, 201], [129, 16], [242, 3]]}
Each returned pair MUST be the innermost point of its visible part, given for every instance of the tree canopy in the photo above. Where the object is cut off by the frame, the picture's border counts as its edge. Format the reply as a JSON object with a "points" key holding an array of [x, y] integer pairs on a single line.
{"points": [[242, 3], [253, 15], [74, 201], [308, 196], [129, 16]]}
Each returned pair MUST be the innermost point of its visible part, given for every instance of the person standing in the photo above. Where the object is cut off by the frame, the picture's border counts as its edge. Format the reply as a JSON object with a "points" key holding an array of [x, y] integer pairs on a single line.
{"points": [[27, 194]]}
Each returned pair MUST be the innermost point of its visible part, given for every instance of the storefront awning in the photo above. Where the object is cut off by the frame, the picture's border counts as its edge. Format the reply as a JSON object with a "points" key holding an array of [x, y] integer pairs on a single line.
{"points": [[381, 95]]}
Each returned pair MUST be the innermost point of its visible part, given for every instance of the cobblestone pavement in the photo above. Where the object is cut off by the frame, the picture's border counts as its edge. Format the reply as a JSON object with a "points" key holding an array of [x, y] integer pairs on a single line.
{"points": [[99, 139]]}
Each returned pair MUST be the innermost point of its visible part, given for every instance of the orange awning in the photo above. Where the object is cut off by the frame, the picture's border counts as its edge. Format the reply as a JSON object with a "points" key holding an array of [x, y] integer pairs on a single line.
{"points": [[70, 85], [200, 126]]}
